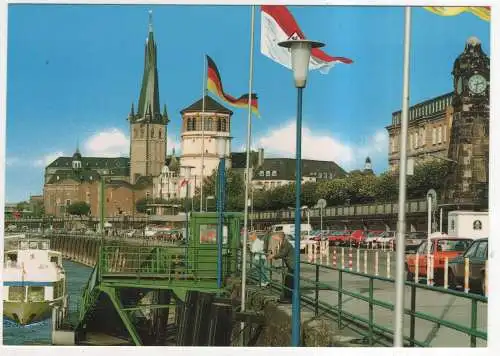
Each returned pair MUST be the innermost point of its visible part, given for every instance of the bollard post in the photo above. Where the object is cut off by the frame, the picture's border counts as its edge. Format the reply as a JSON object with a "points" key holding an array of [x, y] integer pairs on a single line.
{"points": [[432, 269], [365, 257], [357, 260], [388, 267], [376, 263], [327, 252], [342, 258], [350, 258], [417, 270], [309, 253], [445, 276], [466, 275], [428, 268], [335, 257]]}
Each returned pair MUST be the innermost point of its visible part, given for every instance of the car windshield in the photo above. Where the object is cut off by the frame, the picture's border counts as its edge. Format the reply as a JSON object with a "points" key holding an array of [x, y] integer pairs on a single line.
{"points": [[452, 245]]}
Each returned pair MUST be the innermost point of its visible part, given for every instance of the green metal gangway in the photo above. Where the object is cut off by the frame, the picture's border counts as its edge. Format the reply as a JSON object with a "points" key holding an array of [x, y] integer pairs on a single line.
{"points": [[132, 288]]}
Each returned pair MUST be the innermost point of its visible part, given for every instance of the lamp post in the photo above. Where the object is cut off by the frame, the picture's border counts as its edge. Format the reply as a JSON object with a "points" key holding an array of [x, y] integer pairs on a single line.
{"points": [[301, 54], [187, 176], [221, 149]]}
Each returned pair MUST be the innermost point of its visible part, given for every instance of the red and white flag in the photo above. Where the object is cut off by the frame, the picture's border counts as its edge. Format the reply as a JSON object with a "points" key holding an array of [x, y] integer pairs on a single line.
{"points": [[183, 183], [277, 25]]}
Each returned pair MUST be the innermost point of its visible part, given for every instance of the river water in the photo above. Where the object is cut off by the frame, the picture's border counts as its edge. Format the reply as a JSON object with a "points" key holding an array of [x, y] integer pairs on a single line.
{"points": [[39, 334]]}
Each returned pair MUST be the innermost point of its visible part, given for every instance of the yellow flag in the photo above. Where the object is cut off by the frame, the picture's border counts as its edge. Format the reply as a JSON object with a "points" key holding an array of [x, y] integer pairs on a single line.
{"points": [[483, 12]]}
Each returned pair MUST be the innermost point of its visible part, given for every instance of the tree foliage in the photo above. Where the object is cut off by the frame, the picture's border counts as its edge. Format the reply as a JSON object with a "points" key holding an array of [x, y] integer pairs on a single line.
{"points": [[79, 208]]}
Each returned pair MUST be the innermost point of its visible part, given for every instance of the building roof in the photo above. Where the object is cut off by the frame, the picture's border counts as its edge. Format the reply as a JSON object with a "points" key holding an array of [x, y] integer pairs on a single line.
{"points": [[239, 159], [211, 105], [284, 169], [81, 176], [117, 166]]}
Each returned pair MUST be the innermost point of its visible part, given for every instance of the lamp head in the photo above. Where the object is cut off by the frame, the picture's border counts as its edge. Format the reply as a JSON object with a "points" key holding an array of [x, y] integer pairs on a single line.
{"points": [[301, 54]]}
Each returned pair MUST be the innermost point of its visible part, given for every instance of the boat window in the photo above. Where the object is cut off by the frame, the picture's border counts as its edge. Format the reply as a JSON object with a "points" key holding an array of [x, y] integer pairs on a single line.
{"points": [[16, 293], [53, 259], [36, 294]]}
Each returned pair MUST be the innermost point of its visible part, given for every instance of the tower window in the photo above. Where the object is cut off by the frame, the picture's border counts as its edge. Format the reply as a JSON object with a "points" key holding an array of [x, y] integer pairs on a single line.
{"points": [[274, 173], [440, 134], [142, 133], [261, 174], [159, 133], [190, 124], [152, 132], [268, 173], [223, 125], [219, 124], [433, 135], [210, 124], [135, 133]]}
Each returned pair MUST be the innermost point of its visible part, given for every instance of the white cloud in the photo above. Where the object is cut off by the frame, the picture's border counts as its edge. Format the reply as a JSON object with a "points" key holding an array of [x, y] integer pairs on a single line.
{"points": [[280, 142], [47, 159], [108, 143], [171, 143], [12, 161]]}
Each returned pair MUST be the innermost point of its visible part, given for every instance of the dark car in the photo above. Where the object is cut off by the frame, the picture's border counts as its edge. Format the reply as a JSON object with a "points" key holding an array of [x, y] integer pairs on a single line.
{"points": [[478, 255]]}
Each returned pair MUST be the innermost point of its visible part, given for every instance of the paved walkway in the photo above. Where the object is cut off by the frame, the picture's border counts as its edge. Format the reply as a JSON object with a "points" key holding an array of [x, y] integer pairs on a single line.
{"points": [[440, 305]]}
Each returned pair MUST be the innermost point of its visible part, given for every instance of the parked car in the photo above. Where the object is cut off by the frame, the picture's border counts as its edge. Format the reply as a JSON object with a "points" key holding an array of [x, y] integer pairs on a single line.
{"points": [[477, 253], [440, 248], [357, 237], [372, 237], [338, 237], [385, 238]]}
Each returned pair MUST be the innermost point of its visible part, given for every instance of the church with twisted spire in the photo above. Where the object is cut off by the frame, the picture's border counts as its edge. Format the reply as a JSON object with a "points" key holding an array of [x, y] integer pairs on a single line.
{"points": [[127, 179]]}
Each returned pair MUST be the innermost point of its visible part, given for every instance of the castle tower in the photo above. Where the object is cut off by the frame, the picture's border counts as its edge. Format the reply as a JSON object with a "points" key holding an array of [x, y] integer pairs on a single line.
{"points": [[467, 183], [217, 124], [148, 131]]}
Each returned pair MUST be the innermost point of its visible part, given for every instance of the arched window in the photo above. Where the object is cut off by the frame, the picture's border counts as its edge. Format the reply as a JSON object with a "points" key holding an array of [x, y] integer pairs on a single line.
{"points": [[142, 132], [152, 132], [159, 133], [136, 133], [210, 124]]}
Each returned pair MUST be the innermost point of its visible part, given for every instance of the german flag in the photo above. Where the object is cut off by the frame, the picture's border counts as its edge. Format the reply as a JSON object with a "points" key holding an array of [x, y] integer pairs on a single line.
{"points": [[483, 12], [214, 84]]}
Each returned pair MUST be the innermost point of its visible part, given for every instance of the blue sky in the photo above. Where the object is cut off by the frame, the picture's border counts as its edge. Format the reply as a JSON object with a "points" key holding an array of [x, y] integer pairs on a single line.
{"points": [[74, 70]]}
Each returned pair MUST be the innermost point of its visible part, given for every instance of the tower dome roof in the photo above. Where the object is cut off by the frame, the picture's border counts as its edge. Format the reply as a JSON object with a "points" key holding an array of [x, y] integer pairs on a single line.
{"points": [[77, 155]]}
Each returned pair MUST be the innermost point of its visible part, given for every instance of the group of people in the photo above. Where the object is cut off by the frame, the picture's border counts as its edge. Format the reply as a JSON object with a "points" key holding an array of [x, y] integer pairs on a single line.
{"points": [[272, 246]]}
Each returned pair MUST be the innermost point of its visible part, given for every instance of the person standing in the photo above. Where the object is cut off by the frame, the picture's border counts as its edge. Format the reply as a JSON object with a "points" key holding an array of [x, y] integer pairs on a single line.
{"points": [[287, 254], [257, 250]]}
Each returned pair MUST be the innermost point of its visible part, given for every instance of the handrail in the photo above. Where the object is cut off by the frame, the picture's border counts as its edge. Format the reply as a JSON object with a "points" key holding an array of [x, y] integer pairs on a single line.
{"points": [[367, 326]]}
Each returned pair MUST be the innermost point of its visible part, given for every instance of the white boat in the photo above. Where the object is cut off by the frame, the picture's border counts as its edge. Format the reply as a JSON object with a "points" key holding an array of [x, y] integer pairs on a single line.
{"points": [[33, 282]]}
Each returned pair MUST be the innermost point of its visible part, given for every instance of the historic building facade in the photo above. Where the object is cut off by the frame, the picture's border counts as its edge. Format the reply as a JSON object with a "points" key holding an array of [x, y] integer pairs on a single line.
{"points": [[198, 137], [428, 130]]}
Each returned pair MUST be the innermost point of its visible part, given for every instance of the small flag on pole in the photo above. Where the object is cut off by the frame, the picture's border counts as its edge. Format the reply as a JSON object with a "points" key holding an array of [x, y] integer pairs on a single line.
{"points": [[214, 84], [483, 12], [183, 183], [277, 25]]}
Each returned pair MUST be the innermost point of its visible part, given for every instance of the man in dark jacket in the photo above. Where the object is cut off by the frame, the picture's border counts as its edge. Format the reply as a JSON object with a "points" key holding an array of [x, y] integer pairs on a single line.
{"points": [[287, 253]]}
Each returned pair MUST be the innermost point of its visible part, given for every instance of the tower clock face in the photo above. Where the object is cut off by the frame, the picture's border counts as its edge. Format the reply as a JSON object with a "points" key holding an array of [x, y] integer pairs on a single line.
{"points": [[477, 84]]}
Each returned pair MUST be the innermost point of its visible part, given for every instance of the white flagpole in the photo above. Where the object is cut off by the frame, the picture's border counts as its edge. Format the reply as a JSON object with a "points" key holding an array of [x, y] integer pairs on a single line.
{"points": [[401, 228], [203, 130], [247, 170]]}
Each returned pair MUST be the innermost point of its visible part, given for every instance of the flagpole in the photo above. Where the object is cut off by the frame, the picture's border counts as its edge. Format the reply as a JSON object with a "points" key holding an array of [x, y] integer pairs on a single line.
{"points": [[203, 130], [247, 170], [401, 228]]}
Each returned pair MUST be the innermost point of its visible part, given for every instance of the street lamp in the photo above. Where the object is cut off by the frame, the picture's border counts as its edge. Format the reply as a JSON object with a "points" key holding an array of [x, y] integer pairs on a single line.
{"points": [[221, 149], [301, 54]]}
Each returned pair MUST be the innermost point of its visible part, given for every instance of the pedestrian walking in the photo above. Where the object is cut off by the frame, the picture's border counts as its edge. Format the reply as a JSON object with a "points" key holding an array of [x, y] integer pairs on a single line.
{"points": [[287, 254]]}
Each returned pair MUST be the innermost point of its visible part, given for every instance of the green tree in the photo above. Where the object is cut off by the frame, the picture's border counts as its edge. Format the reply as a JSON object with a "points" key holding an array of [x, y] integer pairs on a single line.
{"points": [[427, 175], [79, 208], [386, 187]]}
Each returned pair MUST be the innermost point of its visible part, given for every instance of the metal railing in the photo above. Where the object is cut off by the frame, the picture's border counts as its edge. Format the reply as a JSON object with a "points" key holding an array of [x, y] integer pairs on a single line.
{"points": [[348, 284], [412, 206]]}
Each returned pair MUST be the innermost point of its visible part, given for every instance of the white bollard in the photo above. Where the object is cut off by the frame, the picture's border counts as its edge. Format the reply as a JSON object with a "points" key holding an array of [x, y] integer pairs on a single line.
{"points": [[445, 276], [376, 263], [313, 247], [357, 260], [327, 252], [466, 275], [417, 271], [342, 258], [365, 257], [432, 270], [335, 257], [309, 253], [428, 268], [350, 258], [388, 267]]}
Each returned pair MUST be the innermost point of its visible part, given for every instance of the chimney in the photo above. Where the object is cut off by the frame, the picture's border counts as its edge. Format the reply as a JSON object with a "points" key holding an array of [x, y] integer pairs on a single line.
{"points": [[260, 159]]}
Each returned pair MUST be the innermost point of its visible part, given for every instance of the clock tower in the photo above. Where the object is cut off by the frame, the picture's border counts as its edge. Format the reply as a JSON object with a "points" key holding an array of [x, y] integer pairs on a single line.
{"points": [[466, 186]]}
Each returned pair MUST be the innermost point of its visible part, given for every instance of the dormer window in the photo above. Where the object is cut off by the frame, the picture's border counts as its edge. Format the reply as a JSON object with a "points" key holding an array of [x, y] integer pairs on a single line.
{"points": [[268, 173], [274, 174], [261, 174]]}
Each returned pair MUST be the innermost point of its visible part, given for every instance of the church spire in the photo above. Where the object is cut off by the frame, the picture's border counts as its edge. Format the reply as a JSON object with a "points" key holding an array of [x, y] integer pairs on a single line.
{"points": [[150, 94]]}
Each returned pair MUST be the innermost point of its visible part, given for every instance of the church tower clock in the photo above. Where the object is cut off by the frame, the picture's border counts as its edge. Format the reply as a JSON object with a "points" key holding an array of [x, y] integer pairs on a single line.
{"points": [[466, 186]]}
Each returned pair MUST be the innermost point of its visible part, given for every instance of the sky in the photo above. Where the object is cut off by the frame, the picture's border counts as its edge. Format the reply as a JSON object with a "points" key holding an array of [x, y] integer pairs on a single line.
{"points": [[73, 72]]}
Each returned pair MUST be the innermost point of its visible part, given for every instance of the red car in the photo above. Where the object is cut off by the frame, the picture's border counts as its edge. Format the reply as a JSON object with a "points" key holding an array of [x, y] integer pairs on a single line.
{"points": [[339, 237]]}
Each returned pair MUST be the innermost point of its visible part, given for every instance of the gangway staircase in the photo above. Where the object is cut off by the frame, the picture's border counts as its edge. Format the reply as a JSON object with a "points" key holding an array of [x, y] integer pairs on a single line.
{"points": [[136, 295]]}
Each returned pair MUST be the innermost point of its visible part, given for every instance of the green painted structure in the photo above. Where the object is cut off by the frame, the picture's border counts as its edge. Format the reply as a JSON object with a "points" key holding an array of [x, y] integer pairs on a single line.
{"points": [[132, 288]]}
